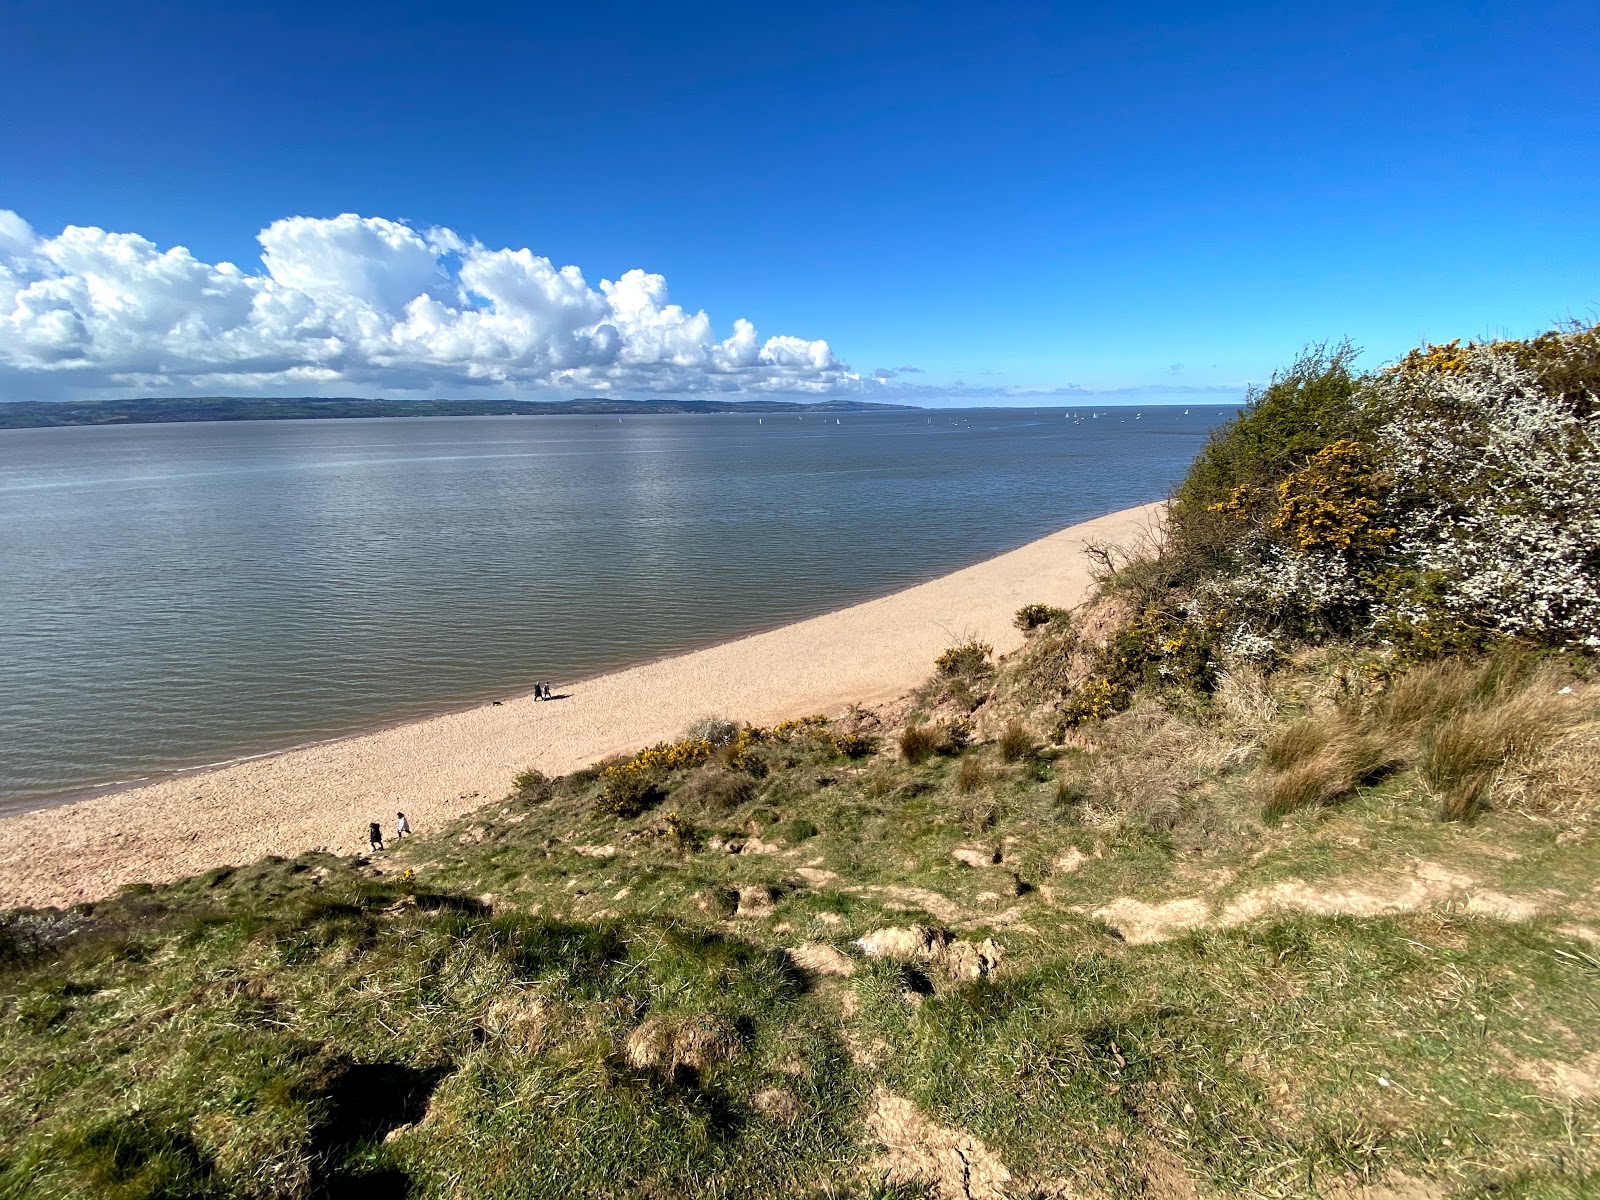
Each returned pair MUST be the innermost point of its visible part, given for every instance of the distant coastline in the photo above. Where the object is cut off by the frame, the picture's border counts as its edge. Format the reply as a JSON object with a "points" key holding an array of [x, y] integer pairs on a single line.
{"points": [[154, 410]]}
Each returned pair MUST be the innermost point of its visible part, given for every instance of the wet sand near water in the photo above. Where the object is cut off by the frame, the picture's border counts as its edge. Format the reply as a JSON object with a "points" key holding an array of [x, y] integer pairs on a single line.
{"points": [[324, 795]]}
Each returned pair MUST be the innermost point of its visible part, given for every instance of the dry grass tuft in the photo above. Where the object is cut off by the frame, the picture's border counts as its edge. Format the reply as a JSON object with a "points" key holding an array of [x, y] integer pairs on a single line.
{"points": [[1244, 698], [1424, 695], [1464, 756], [681, 1046], [714, 789], [1298, 742], [1342, 764], [1152, 769], [1461, 723], [1471, 721], [1319, 760], [1016, 742], [1562, 782], [971, 775], [918, 743], [1427, 696]]}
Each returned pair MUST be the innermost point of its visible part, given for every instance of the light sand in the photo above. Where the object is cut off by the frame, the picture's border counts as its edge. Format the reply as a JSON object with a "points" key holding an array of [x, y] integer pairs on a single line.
{"points": [[439, 768]]}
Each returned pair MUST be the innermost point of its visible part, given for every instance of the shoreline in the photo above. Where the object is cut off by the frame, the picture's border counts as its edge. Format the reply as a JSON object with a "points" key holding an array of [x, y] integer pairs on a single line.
{"points": [[321, 794], [156, 776]]}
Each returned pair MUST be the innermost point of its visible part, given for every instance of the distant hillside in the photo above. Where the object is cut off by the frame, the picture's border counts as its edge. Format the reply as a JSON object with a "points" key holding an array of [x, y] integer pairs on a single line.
{"points": [[32, 414]]}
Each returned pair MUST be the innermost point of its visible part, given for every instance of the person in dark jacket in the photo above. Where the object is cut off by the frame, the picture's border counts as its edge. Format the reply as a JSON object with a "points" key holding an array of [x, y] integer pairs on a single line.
{"points": [[375, 835]]}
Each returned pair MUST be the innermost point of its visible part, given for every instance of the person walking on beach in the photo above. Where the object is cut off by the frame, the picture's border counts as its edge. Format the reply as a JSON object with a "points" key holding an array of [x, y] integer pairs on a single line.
{"points": [[375, 835], [538, 690], [402, 827]]}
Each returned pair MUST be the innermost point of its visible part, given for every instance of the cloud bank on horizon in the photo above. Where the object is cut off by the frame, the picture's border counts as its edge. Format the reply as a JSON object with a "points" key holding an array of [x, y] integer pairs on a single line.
{"points": [[352, 301]]}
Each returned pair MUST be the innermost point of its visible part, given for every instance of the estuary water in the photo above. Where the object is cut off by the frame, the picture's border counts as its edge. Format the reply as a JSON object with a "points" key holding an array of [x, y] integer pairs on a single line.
{"points": [[178, 595]]}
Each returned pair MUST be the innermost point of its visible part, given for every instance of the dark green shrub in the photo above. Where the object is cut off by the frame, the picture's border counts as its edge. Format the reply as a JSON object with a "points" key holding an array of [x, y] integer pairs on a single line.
{"points": [[1315, 402], [969, 658], [629, 793], [854, 745], [1034, 616]]}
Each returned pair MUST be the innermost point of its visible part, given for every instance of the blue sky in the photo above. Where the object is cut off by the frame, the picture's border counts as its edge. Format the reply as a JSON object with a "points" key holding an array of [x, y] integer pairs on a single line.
{"points": [[1006, 198]]}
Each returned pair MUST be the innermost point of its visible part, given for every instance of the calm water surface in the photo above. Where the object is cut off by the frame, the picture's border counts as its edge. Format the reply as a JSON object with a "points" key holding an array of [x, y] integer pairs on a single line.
{"points": [[172, 595]]}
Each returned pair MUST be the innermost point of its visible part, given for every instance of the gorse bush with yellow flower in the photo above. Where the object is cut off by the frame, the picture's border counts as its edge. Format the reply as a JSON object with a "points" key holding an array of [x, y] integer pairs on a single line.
{"points": [[632, 786], [1450, 500], [1443, 504], [1335, 501]]}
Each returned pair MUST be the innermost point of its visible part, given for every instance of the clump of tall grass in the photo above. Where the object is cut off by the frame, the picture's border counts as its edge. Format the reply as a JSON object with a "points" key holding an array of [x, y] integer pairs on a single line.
{"points": [[971, 775], [715, 789], [1015, 742], [1460, 723], [1320, 760], [1464, 756], [918, 743], [1472, 720]]}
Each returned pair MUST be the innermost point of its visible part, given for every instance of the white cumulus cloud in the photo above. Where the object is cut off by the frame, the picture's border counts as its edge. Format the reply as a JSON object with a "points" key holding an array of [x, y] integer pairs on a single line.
{"points": [[364, 301]]}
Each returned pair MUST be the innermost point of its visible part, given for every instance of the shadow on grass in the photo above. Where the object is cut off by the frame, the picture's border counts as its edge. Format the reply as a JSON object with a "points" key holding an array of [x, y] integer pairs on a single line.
{"points": [[364, 1103]]}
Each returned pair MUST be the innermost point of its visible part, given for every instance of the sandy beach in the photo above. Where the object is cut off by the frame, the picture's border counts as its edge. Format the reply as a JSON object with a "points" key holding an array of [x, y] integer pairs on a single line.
{"points": [[436, 769]]}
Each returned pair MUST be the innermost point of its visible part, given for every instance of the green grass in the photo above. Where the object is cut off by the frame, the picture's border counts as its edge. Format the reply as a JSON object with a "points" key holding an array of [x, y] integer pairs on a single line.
{"points": [[525, 1013]]}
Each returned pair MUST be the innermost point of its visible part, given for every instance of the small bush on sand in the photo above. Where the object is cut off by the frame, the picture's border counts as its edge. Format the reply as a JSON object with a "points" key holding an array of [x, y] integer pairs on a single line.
{"points": [[532, 787], [918, 743], [1052, 664], [1015, 743], [716, 732], [970, 658], [1035, 616]]}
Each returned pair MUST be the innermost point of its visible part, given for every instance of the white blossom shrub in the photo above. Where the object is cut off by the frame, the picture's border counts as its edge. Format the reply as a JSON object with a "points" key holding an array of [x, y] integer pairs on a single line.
{"points": [[1496, 501]]}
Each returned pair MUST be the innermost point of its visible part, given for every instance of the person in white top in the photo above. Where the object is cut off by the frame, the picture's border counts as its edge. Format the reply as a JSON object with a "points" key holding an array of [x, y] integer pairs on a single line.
{"points": [[401, 826]]}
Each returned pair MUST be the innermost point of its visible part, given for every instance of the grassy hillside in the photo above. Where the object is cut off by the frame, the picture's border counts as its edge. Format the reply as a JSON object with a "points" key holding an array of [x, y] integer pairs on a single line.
{"points": [[1214, 888]]}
